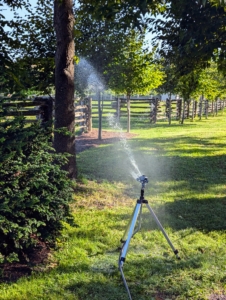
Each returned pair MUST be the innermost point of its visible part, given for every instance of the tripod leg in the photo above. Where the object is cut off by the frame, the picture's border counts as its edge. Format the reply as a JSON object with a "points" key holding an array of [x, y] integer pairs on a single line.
{"points": [[139, 221], [125, 235], [163, 231], [125, 283], [126, 239], [129, 233]]}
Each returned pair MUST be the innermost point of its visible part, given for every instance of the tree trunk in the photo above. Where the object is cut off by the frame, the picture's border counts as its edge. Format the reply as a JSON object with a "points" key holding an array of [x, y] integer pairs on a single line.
{"points": [[188, 110], [64, 82], [193, 110]]}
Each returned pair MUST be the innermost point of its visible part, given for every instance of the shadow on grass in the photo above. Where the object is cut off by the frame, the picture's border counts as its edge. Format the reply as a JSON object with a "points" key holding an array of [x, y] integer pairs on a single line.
{"points": [[166, 144], [143, 277], [112, 163], [205, 215], [97, 289]]}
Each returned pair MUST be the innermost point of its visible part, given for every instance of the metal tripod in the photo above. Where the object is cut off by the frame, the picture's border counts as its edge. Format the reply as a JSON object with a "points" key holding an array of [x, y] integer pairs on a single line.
{"points": [[131, 231]]}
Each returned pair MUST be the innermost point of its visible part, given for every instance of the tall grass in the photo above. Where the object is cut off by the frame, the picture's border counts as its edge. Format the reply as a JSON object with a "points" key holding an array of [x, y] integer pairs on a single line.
{"points": [[186, 167]]}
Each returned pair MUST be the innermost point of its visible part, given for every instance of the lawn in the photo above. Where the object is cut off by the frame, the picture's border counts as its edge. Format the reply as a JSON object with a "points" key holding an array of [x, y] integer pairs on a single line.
{"points": [[186, 168]]}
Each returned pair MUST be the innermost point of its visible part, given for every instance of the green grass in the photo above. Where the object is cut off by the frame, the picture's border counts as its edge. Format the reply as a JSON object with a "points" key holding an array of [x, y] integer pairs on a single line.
{"points": [[186, 167]]}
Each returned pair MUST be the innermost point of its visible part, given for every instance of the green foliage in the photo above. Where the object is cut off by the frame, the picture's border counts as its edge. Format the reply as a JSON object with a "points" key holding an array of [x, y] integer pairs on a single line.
{"points": [[211, 84], [34, 191], [192, 34], [133, 71], [28, 49], [99, 42], [131, 13], [187, 84]]}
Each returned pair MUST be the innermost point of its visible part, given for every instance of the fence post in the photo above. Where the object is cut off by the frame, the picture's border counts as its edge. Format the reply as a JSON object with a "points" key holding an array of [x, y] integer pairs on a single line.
{"points": [[46, 114], [206, 108], [118, 109], [90, 125], [200, 107], [81, 103], [183, 111], [216, 107], [100, 116], [179, 109], [153, 111], [156, 109], [170, 109], [193, 110], [46, 110], [196, 107], [212, 108], [128, 113]]}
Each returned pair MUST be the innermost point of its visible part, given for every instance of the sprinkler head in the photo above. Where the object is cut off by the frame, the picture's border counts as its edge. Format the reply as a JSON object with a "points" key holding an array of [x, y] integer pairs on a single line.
{"points": [[143, 180]]}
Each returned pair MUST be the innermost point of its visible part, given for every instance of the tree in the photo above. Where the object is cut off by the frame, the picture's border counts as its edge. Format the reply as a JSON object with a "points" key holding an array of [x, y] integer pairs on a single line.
{"points": [[64, 82], [171, 79], [32, 51], [211, 84], [186, 86], [133, 71], [132, 13], [28, 48], [192, 34], [99, 42]]}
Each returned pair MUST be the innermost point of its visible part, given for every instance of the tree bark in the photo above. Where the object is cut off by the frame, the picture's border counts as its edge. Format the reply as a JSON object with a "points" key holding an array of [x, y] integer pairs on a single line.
{"points": [[64, 82]]}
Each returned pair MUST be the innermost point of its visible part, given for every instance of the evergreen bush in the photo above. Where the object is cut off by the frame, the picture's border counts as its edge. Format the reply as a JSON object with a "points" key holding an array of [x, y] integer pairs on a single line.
{"points": [[34, 191]]}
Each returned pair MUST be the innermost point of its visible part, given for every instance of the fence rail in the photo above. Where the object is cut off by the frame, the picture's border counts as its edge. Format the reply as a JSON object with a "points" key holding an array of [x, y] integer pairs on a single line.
{"points": [[40, 109], [151, 109]]}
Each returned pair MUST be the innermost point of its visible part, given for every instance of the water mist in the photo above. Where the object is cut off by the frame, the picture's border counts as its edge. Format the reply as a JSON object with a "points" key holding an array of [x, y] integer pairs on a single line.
{"points": [[135, 172]]}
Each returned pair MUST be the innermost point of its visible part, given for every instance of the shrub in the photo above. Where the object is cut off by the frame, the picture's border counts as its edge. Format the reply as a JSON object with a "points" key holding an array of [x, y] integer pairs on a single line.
{"points": [[34, 191]]}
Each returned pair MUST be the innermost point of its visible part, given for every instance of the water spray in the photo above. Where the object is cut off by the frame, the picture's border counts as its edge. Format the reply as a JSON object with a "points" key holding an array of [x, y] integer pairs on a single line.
{"points": [[130, 230], [137, 212], [113, 123]]}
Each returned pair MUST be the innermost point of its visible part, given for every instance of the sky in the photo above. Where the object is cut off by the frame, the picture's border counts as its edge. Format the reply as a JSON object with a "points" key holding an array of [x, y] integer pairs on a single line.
{"points": [[9, 13], [22, 12]]}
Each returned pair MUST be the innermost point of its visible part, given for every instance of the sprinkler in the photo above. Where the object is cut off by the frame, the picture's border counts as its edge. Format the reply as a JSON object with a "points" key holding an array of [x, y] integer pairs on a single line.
{"points": [[143, 180], [131, 231]]}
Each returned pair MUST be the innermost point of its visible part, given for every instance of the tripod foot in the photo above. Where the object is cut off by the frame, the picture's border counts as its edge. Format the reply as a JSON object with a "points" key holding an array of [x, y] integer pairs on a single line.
{"points": [[177, 254], [124, 281]]}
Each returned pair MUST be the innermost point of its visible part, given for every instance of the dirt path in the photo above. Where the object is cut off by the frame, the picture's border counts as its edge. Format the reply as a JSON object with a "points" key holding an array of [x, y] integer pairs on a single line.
{"points": [[88, 140]]}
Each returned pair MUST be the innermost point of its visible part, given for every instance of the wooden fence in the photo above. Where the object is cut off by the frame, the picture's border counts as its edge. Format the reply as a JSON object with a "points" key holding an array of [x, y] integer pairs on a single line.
{"points": [[174, 109], [179, 109], [42, 109], [39, 108], [151, 109]]}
